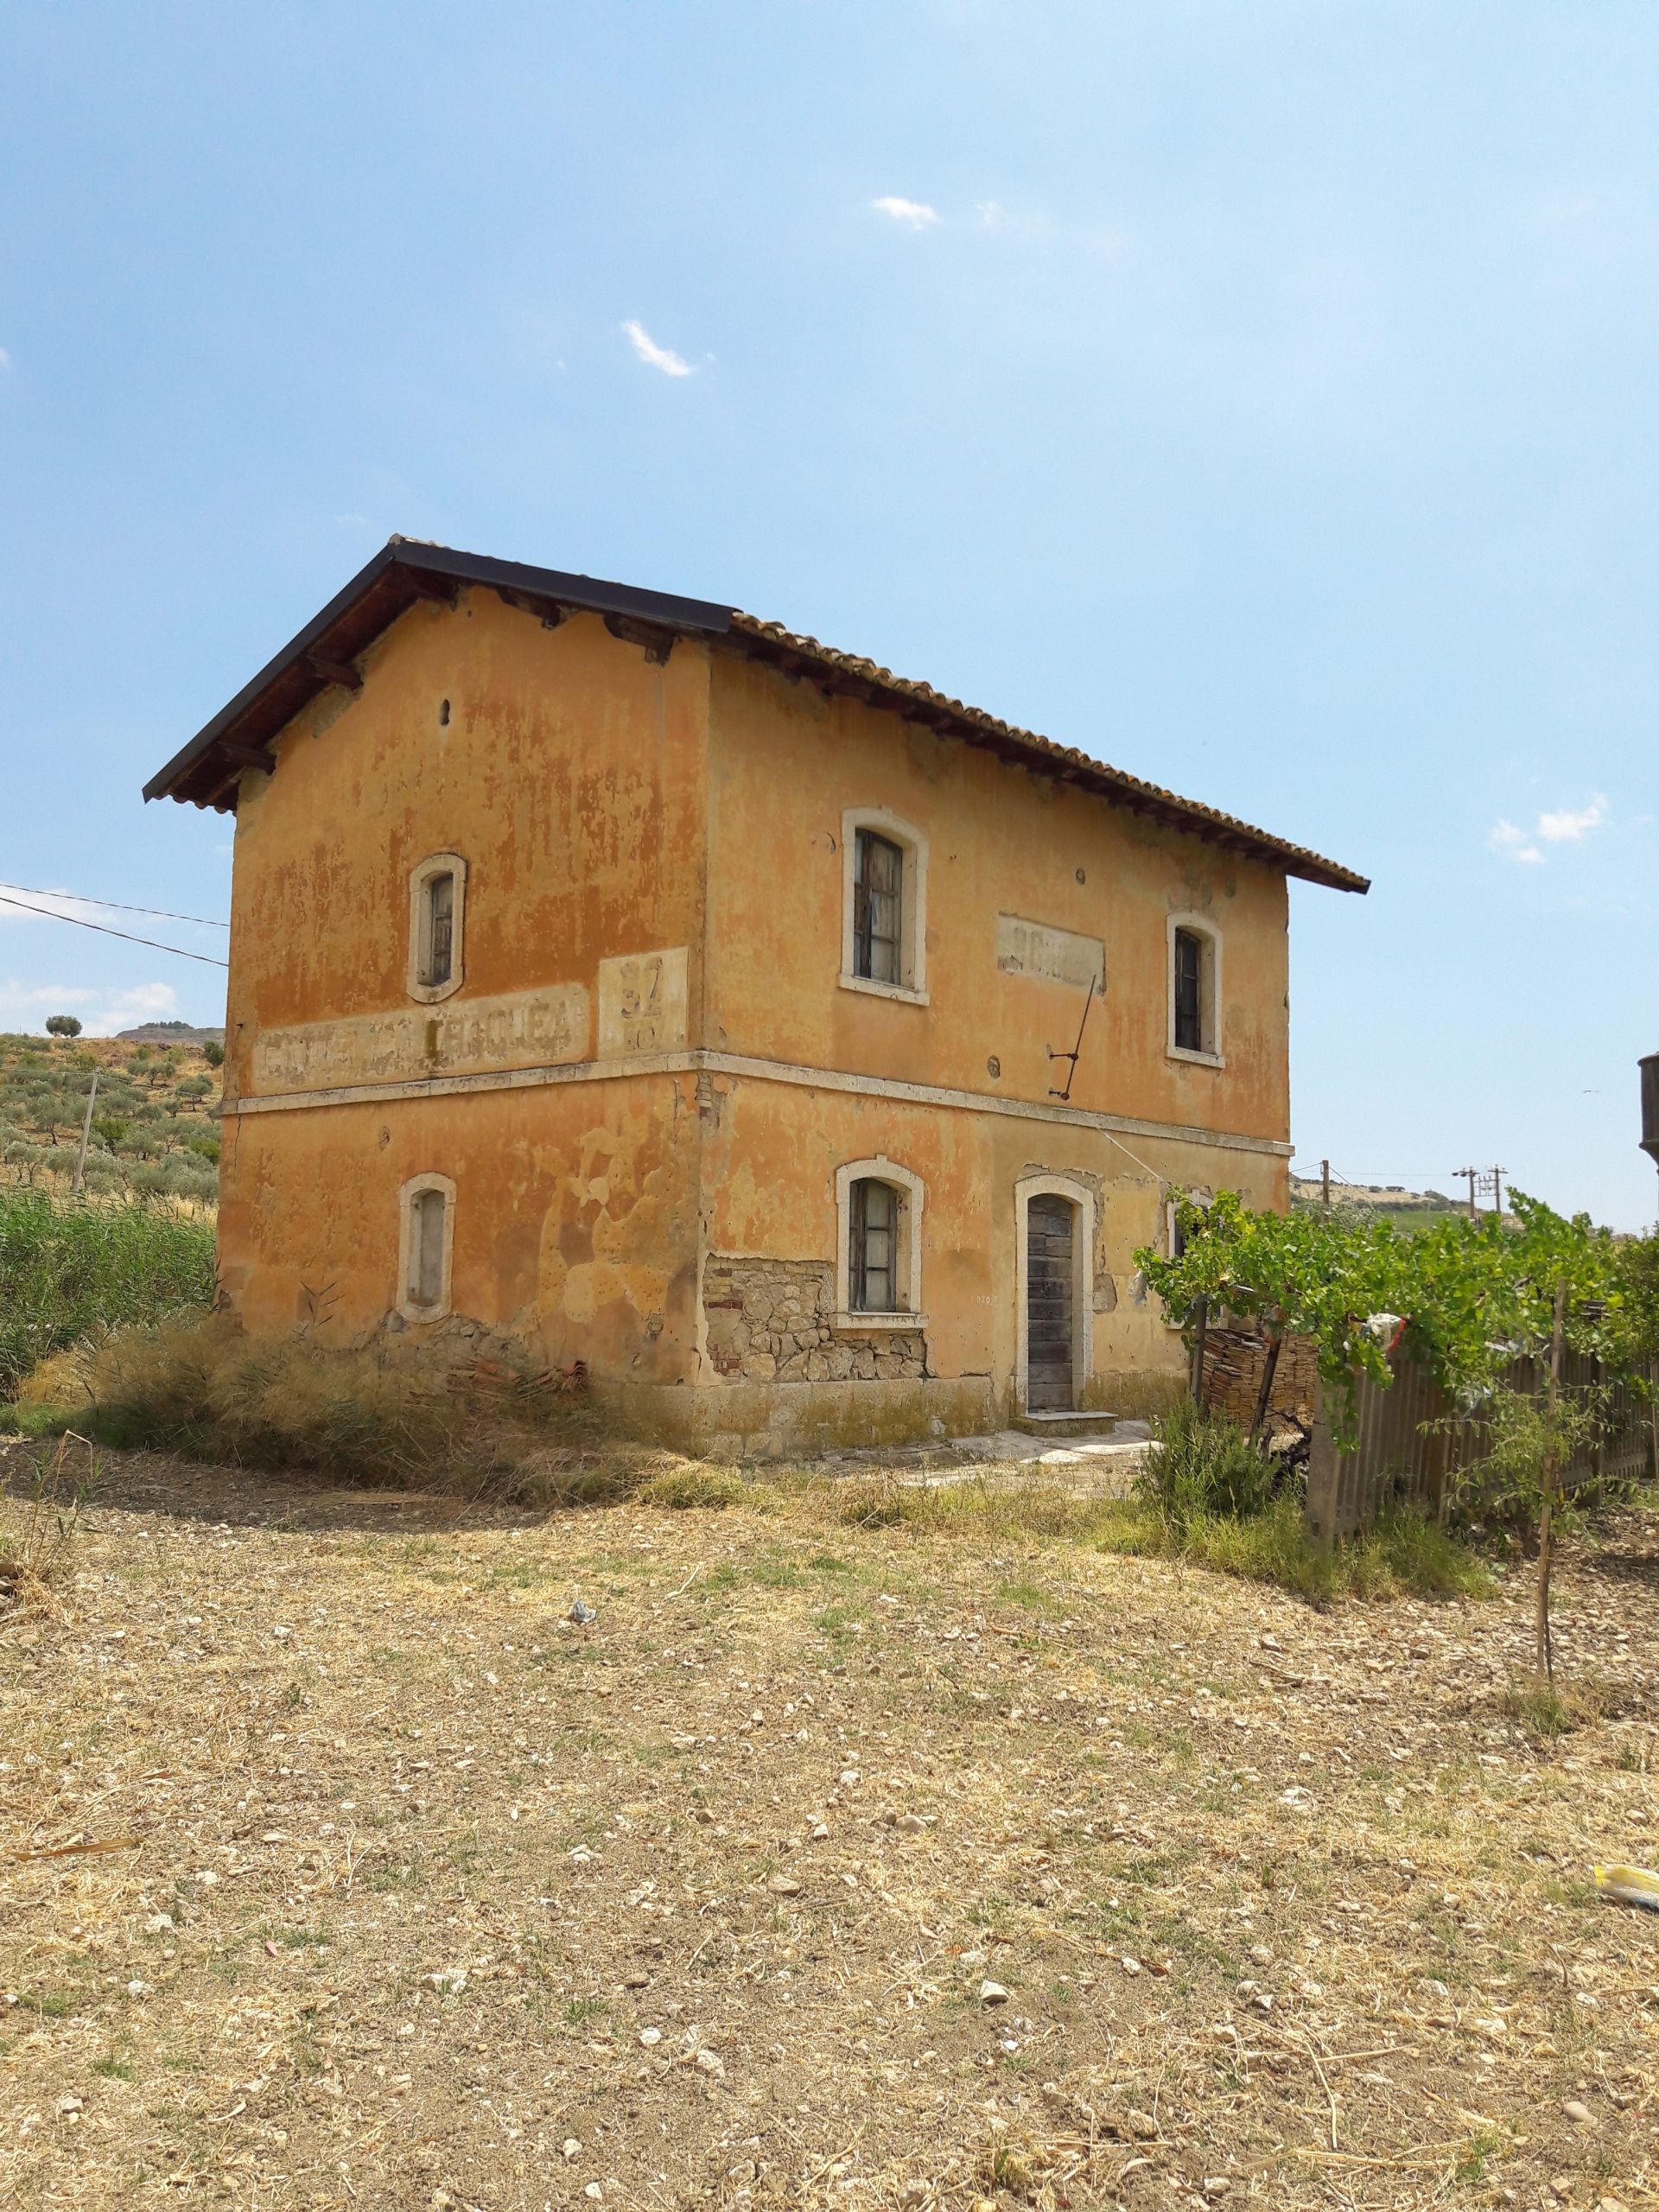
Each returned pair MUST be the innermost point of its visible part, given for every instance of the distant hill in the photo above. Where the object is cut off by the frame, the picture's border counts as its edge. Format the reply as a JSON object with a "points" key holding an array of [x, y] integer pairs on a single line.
{"points": [[169, 1033]]}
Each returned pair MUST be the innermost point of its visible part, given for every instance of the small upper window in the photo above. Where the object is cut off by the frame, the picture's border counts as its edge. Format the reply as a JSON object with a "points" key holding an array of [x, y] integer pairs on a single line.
{"points": [[437, 891], [438, 929], [1189, 991], [884, 922], [878, 908], [1194, 989], [871, 1268]]}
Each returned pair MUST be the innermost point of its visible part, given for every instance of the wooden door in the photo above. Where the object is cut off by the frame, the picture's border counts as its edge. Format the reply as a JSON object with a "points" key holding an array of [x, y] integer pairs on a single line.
{"points": [[1049, 1319]]}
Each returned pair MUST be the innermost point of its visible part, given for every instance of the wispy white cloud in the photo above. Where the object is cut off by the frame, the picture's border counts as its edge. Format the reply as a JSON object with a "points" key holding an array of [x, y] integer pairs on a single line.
{"points": [[6, 359], [26, 1005], [1567, 827], [1516, 843], [1564, 826], [654, 355], [914, 215]]}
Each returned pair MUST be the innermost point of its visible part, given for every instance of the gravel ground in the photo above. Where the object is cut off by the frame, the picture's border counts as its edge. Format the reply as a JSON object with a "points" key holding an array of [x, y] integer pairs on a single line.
{"points": [[828, 1865]]}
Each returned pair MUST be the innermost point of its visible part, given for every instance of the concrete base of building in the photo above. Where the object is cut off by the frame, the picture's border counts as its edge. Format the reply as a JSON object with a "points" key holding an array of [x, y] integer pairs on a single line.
{"points": [[783, 1421]]}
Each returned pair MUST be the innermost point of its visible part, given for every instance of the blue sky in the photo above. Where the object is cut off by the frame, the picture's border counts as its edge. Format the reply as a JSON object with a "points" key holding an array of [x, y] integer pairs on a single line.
{"points": [[1258, 393]]}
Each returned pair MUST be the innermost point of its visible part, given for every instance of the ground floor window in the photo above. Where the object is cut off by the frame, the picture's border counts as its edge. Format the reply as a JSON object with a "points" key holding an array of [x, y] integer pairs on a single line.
{"points": [[426, 1247], [878, 1257], [869, 1263]]}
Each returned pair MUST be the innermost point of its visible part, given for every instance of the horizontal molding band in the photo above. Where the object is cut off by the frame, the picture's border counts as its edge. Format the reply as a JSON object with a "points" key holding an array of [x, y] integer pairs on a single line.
{"points": [[757, 1071]]}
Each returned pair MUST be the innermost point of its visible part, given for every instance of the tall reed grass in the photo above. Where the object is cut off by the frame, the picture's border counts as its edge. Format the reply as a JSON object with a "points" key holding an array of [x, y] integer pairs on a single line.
{"points": [[71, 1267]]}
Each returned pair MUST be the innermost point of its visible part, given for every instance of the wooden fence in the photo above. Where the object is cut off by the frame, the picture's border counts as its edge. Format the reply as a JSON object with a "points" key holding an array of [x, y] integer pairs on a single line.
{"points": [[1397, 1455]]}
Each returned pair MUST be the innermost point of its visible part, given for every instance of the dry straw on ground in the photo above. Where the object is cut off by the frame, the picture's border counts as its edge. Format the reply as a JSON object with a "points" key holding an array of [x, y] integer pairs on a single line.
{"points": [[378, 1883]]}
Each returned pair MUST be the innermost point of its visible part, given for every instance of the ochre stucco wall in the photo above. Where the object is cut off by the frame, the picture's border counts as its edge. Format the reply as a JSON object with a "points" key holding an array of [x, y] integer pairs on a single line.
{"points": [[569, 773], [785, 762], [608, 806]]}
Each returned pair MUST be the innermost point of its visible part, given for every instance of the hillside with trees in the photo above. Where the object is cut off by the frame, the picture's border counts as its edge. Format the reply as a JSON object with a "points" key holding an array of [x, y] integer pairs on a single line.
{"points": [[153, 1133]]}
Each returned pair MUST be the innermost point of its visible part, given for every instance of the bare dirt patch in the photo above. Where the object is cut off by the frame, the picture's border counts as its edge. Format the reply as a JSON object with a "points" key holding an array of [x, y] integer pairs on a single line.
{"points": [[414, 1895]]}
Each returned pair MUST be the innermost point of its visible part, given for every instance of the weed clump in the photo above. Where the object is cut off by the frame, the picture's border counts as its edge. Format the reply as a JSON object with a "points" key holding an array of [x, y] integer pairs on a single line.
{"points": [[37, 1534], [381, 1413], [1204, 1464]]}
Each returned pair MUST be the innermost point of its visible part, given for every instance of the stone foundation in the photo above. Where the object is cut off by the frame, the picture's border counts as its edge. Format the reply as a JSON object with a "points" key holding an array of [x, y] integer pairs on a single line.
{"points": [[786, 1420], [774, 1321]]}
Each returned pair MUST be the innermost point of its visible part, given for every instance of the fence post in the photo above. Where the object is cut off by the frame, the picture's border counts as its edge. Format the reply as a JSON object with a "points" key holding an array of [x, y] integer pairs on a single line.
{"points": [[1321, 1511], [1198, 1336]]}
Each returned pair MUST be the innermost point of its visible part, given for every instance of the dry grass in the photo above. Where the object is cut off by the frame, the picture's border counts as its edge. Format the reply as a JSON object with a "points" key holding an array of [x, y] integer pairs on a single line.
{"points": [[426, 1898], [38, 1525], [380, 1415]]}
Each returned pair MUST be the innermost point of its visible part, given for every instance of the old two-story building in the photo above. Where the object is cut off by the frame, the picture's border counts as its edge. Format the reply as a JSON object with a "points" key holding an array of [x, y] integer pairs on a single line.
{"points": [[805, 1052]]}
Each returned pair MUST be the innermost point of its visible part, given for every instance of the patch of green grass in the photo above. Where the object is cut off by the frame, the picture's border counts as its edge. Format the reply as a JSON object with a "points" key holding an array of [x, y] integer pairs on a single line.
{"points": [[1031, 1598], [1550, 1709], [113, 2069], [71, 1267]]}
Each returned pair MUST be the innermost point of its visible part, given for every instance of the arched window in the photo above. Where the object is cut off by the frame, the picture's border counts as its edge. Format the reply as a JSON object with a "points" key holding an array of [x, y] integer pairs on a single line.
{"points": [[1194, 989], [438, 897], [879, 1261], [884, 905], [426, 1246]]}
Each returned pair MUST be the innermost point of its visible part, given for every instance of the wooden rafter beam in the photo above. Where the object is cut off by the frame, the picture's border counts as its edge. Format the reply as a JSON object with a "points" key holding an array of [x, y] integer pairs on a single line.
{"points": [[425, 585], [655, 642], [247, 756], [343, 672], [550, 613]]}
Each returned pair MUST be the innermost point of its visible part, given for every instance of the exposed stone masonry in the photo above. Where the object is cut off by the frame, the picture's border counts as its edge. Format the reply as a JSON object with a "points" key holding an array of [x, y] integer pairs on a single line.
{"points": [[772, 1320]]}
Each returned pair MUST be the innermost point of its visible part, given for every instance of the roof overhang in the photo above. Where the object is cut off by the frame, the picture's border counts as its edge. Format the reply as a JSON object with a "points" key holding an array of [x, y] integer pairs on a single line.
{"points": [[207, 770]]}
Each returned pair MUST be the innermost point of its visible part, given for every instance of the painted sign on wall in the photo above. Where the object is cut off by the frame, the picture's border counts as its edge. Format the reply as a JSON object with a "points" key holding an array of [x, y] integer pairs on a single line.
{"points": [[1053, 956], [518, 1029]]}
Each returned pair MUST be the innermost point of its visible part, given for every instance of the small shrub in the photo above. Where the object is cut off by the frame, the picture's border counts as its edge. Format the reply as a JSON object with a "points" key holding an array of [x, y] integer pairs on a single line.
{"points": [[690, 1487], [1204, 1464]]}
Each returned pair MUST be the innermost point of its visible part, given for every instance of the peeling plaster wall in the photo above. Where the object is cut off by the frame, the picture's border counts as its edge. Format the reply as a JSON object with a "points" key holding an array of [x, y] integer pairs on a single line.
{"points": [[784, 762], [677, 1228], [576, 1220], [768, 1193], [569, 771]]}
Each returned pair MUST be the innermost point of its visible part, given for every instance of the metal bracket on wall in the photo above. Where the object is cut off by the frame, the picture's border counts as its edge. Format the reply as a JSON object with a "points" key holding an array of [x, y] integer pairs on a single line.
{"points": [[1073, 1055]]}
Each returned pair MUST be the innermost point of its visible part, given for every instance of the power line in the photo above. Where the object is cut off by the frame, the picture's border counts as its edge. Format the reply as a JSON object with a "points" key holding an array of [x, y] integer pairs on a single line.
{"points": [[104, 930], [161, 914]]}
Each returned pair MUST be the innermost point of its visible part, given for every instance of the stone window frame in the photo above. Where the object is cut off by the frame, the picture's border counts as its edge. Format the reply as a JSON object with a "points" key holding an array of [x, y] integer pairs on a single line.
{"points": [[912, 990], [1202, 927], [435, 864], [411, 1309], [911, 1193], [1082, 1197]]}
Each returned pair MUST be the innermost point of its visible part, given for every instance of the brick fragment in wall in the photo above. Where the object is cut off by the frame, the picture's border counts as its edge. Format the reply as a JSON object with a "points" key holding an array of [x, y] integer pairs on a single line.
{"points": [[774, 1320], [1233, 1361]]}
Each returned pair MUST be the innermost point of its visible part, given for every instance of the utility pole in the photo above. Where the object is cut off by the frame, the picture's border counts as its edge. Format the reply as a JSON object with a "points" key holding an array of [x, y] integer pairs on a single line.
{"points": [[1472, 1176], [1495, 1183], [85, 1132], [1325, 1177]]}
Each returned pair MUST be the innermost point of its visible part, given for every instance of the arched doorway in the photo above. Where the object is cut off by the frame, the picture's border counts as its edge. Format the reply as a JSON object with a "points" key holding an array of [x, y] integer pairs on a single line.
{"points": [[1055, 1219]]}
